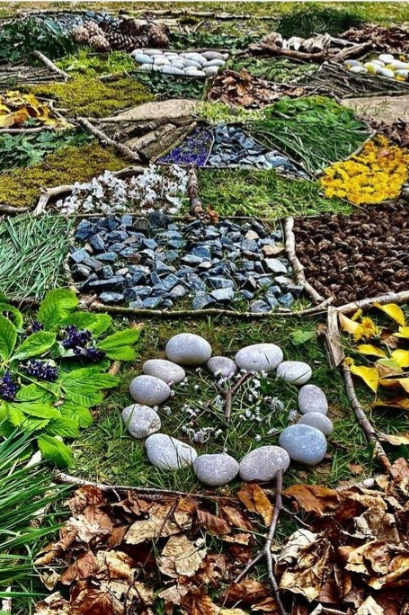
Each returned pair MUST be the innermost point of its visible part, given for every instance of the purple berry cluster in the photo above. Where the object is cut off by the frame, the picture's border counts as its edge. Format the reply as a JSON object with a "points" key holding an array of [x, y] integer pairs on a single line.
{"points": [[42, 370], [34, 326], [8, 389], [81, 343]]}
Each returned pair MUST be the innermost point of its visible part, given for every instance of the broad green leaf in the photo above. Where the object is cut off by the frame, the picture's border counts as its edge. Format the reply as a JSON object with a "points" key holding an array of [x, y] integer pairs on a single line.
{"points": [[15, 315], [371, 350], [122, 353], [16, 416], [84, 386], [35, 344], [32, 424], [368, 374], [63, 427], [54, 451], [401, 357], [393, 311], [34, 392], [8, 338], [96, 323], [80, 414], [300, 336], [3, 297], [56, 307], [120, 338], [41, 411]]}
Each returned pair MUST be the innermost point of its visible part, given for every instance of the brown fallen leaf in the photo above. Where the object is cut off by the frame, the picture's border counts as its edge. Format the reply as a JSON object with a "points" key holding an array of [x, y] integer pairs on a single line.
{"points": [[314, 498], [214, 525], [83, 568], [53, 604], [158, 524], [89, 601], [370, 607], [255, 500], [198, 603], [115, 565], [248, 591], [236, 517], [180, 556]]}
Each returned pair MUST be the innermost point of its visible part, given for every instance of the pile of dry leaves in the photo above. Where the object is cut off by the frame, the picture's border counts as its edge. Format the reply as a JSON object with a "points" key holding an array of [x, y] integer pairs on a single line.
{"points": [[182, 554], [394, 39], [242, 89], [17, 109]]}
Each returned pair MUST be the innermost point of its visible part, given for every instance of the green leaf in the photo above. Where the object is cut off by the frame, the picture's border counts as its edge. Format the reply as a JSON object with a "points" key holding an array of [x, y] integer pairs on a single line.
{"points": [[3, 297], [122, 353], [299, 337], [41, 411], [96, 323], [83, 386], [63, 427], [80, 414], [35, 344], [55, 451], [56, 307], [8, 338], [34, 392], [120, 338], [13, 311]]}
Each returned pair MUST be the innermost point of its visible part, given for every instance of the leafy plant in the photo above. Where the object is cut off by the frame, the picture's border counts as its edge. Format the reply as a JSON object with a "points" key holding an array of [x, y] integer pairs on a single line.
{"points": [[24, 494], [19, 38], [280, 70], [25, 149], [172, 86], [87, 62], [314, 131], [312, 19], [53, 369]]}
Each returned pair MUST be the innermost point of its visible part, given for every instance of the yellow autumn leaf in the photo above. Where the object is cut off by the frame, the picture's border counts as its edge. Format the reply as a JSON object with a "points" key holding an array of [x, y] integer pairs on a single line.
{"points": [[393, 311], [404, 383], [348, 325], [401, 357], [403, 332], [372, 350], [389, 383], [400, 403], [368, 374], [395, 439]]}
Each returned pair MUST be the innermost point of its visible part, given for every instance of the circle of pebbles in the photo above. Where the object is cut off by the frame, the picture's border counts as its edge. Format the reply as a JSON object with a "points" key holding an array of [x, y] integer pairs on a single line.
{"points": [[304, 442], [188, 64], [153, 263], [357, 256]]}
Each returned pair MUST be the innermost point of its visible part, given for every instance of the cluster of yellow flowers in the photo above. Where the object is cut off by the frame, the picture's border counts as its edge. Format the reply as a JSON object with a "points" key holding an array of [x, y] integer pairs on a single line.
{"points": [[373, 176]]}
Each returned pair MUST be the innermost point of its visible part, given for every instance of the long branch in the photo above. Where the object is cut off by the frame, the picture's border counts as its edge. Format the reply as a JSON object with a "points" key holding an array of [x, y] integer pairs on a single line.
{"points": [[122, 149], [49, 64]]}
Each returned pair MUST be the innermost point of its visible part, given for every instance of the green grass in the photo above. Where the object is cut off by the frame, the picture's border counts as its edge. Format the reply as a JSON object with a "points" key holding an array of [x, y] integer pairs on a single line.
{"points": [[263, 194], [122, 460]]}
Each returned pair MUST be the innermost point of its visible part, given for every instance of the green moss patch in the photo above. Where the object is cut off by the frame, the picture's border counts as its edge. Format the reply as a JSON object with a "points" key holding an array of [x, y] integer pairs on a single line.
{"points": [[66, 166], [263, 194], [91, 97]]}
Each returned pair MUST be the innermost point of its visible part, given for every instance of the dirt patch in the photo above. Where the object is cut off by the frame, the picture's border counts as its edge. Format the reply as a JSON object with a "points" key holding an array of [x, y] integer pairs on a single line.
{"points": [[386, 109]]}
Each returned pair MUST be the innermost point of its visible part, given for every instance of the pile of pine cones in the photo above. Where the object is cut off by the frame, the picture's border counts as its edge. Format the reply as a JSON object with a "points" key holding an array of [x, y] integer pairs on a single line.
{"points": [[358, 256], [125, 35]]}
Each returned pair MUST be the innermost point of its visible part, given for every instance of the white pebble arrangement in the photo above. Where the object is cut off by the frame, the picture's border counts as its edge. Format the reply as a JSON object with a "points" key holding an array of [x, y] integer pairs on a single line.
{"points": [[304, 442], [184, 64], [385, 65]]}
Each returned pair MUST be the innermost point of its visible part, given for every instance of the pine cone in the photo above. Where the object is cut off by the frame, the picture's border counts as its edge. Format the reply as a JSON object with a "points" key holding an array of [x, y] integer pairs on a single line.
{"points": [[80, 34], [158, 36], [127, 35], [99, 43], [93, 28]]}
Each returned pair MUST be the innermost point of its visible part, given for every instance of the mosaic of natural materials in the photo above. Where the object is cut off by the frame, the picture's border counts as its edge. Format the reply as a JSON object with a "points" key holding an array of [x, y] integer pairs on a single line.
{"points": [[357, 256]]}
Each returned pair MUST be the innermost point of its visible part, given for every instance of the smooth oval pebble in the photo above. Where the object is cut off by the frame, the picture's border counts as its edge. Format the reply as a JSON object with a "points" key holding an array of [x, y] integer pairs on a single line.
{"points": [[161, 60], [212, 55], [215, 63], [195, 73], [312, 399], [141, 421], [151, 52], [148, 390], [188, 349], [296, 372], [167, 453], [216, 470], [141, 58], [222, 366], [259, 357], [197, 57], [304, 444], [192, 64], [147, 68], [211, 70], [167, 69], [319, 421], [263, 463], [164, 370]]}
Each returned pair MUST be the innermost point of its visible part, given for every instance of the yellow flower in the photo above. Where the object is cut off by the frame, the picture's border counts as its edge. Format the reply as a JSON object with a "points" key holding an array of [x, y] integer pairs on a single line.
{"points": [[367, 329]]}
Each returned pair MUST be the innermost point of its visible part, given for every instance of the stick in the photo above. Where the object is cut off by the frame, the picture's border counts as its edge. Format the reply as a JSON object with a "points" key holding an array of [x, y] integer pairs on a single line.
{"points": [[49, 64], [228, 394], [196, 207], [295, 263], [266, 551], [122, 149], [8, 209], [332, 339], [24, 131], [364, 422], [401, 297], [184, 134], [48, 194]]}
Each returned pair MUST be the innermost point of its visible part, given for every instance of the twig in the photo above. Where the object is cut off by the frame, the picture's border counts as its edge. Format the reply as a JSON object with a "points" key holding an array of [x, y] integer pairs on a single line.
{"points": [[266, 551], [48, 194], [228, 394], [332, 339], [364, 422], [196, 207], [124, 150], [401, 297], [8, 209], [322, 610], [295, 263], [49, 64], [25, 131]]}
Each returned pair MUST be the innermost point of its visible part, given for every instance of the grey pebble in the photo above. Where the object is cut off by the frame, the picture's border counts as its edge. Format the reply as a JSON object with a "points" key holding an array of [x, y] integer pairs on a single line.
{"points": [[167, 453], [263, 463], [259, 357], [222, 365], [312, 399], [296, 372], [164, 370], [148, 390], [188, 349], [216, 470], [141, 421], [304, 444], [319, 421]]}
